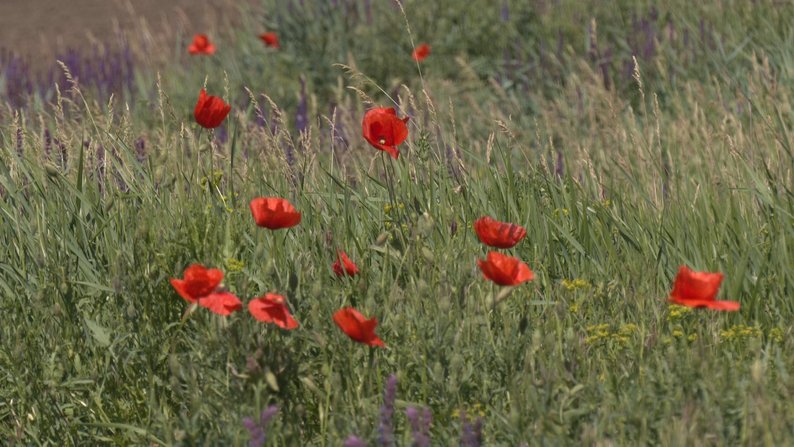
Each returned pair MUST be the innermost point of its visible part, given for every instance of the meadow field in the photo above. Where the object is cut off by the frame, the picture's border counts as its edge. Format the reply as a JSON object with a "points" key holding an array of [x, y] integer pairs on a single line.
{"points": [[627, 138]]}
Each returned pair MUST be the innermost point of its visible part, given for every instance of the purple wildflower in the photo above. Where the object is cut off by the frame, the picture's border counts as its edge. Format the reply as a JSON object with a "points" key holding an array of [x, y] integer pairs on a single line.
{"points": [[47, 143], [17, 75], [420, 426], [221, 134], [471, 435], [302, 114], [604, 65], [452, 168], [100, 166], [62, 150], [259, 116], [289, 153], [386, 426], [257, 430], [368, 9], [559, 166], [20, 147], [140, 150], [354, 441]]}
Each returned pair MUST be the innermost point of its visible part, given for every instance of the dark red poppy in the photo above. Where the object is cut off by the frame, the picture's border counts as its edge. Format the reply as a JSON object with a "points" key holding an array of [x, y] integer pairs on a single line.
{"points": [[383, 130], [699, 289], [274, 213], [357, 327], [498, 234], [222, 303], [344, 266], [270, 39], [198, 282], [421, 52], [272, 308], [505, 270], [210, 110], [201, 45]]}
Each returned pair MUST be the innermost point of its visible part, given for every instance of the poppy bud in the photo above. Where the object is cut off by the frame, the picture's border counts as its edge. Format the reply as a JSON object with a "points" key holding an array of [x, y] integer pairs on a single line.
{"points": [[210, 111], [51, 170], [382, 238]]}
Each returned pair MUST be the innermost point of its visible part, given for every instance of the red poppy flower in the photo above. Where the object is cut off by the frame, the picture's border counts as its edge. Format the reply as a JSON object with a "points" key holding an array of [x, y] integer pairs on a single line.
{"points": [[270, 39], [201, 45], [344, 266], [357, 327], [383, 130], [421, 52], [272, 308], [699, 289], [505, 270], [222, 303], [498, 234], [210, 110], [198, 282], [274, 213]]}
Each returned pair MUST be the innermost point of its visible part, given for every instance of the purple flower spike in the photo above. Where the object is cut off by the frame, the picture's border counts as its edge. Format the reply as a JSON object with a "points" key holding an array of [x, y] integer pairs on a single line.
{"points": [[268, 414], [302, 114], [20, 147], [354, 441], [420, 426], [504, 14], [471, 435], [386, 426], [140, 150], [47, 143], [559, 166], [257, 431]]}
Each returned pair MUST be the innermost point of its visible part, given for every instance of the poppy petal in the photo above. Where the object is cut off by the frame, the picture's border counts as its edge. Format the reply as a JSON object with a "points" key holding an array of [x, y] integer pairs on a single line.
{"points": [[357, 327], [699, 289], [271, 308], [181, 289], [498, 234], [221, 303], [504, 270], [274, 213]]}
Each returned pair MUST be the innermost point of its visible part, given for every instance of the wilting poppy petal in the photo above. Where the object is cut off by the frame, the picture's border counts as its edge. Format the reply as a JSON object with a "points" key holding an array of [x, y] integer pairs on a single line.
{"points": [[421, 52], [222, 303], [357, 327], [505, 270], [498, 234], [272, 308], [344, 266], [274, 213], [197, 283], [210, 110], [270, 39], [383, 130], [699, 289], [201, 45]]}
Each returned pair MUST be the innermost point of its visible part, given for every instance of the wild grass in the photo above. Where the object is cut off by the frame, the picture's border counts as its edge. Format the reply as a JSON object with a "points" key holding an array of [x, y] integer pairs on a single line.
{"points": [[685, 160]]}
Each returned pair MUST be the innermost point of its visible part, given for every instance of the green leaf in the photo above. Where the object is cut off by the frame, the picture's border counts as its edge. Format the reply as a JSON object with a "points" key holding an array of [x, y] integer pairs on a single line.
{"points": [[100, 334]]}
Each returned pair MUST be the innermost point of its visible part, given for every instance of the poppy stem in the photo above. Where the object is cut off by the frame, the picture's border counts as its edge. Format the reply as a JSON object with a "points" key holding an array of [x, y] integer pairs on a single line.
{"points": [[211, 140], [188, 312], [389, 184], [503, 294]]}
